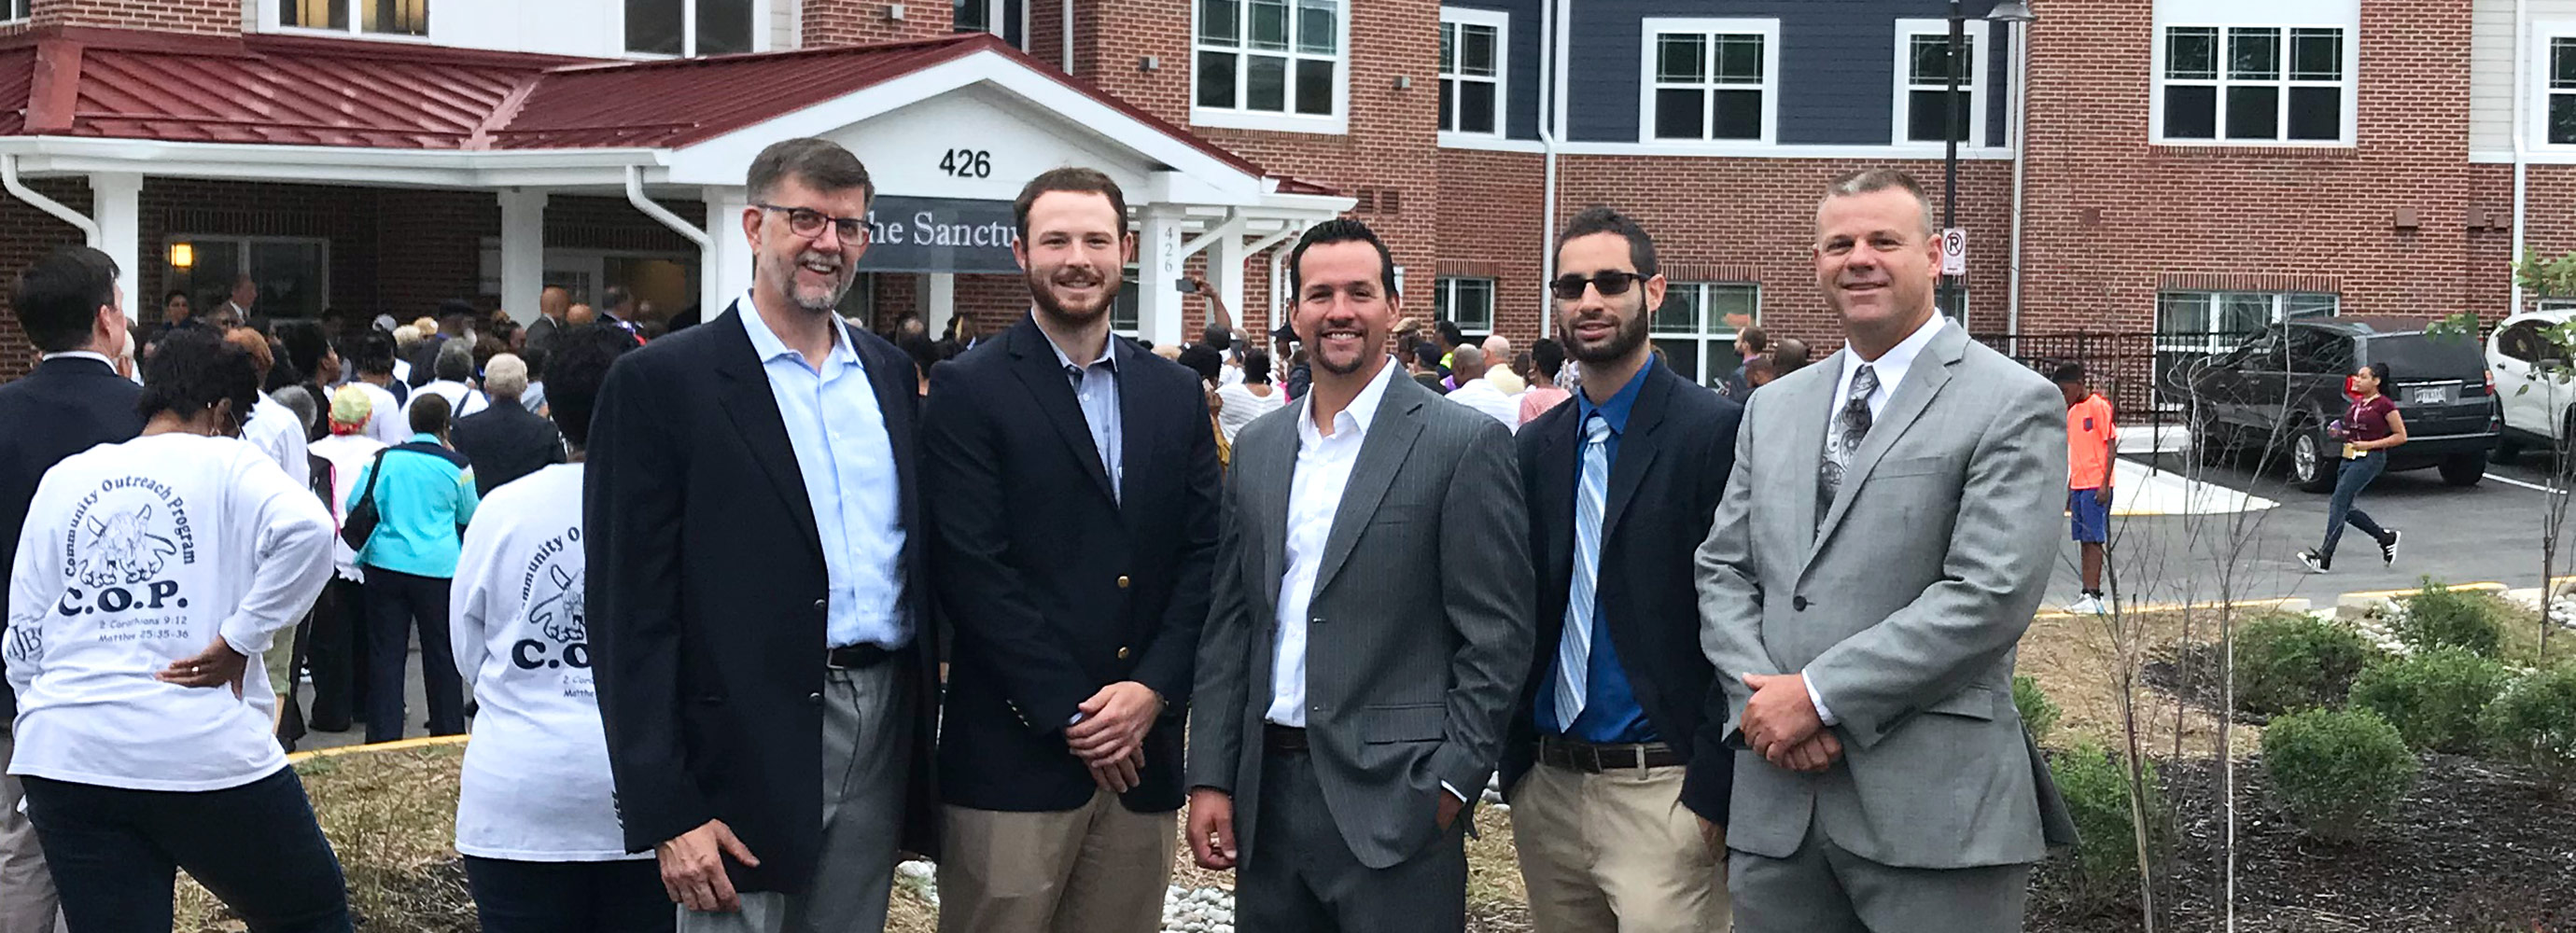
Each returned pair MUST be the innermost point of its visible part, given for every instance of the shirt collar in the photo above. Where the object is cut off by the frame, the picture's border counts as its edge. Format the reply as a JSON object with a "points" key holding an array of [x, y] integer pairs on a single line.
{"points": [[1615, 411], [1361, 411], [1108, 352], [765, 342], [80, 355], [1891, 365]]}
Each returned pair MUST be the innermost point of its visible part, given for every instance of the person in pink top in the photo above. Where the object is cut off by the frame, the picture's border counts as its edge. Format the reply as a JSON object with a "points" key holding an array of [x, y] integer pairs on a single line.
{"points": [[1543, 392]]}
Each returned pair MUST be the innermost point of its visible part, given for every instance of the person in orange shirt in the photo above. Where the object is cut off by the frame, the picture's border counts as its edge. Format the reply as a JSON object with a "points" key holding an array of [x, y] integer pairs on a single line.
{"points": [[2091, 449]]}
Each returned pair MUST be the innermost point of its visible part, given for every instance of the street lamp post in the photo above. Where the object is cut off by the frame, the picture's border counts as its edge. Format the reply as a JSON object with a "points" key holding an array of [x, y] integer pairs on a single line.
{"points": [[2004, 11]]}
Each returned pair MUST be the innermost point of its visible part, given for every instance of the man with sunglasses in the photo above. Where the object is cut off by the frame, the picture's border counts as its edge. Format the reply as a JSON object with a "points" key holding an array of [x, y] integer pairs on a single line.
{"points": [[1617, 773], [758, 614]]}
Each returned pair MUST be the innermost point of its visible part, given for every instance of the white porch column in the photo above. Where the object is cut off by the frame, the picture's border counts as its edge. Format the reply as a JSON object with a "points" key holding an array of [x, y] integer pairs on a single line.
{"points": [[724, 267], [523, 251], [939, 302], [1158, 265], [1225, 272], [116, 202]]}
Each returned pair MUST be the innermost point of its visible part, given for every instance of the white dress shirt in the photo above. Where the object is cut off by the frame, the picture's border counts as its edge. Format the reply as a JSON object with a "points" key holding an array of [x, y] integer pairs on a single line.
{"points": [[1481, 394], [387, 420], [277, 432], [462, 399], [1314, 495], [1891, 368]]}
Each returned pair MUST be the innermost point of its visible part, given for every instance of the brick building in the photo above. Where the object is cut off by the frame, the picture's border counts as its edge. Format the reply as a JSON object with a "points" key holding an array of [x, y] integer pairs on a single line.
{"points": [[2154, 165]]}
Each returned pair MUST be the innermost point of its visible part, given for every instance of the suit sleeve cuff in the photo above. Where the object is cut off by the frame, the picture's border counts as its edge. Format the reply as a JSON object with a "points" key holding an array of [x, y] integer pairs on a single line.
{"points": [[1823, 712], [1453, 791]]}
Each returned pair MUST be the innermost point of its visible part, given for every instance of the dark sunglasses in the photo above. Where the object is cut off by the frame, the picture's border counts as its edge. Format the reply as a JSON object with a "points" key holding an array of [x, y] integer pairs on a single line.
{"points": [[1570, 287], [808, 222]]}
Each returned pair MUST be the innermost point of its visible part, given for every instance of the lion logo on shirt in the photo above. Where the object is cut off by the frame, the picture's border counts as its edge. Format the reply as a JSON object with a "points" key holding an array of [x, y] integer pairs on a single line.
{"points": [[121, 548], [561, 614]]}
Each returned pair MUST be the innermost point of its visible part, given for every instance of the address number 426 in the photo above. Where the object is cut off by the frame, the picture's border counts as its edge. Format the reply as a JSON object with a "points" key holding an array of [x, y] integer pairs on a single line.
{"points": [[967, 163]]}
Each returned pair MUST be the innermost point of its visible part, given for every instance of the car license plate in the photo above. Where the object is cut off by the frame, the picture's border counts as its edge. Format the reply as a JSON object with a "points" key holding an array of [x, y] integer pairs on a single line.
{"points": [[2433, 395]]}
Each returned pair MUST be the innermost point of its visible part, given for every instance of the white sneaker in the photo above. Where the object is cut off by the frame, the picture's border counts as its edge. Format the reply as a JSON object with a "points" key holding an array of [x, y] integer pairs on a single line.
{"points": [[2315, 564], [2088, 606]]}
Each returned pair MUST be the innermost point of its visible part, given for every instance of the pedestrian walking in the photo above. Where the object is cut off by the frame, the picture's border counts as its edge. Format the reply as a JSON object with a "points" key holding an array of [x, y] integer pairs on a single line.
{"points": [[2369, 429]]}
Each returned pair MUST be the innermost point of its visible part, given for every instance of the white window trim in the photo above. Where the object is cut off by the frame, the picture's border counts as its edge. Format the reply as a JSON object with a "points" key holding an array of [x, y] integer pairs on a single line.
{"points": [[1707, 339], [761, 39], [1501, 22], [272, 18], [1974, 33], [1767, 28], [1445, 293], [993, 22], [14, 20], [2542, 31], [1336, 124], [2351, 117]]}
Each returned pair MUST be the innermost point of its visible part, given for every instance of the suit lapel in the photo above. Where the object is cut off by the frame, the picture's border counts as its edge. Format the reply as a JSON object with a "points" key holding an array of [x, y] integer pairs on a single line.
{"points": [[1923, 381], [1807, 412], [753, 408], [1135, 442], [1637, 447], [1053, 391], [1390, 439], [1269, 474]]}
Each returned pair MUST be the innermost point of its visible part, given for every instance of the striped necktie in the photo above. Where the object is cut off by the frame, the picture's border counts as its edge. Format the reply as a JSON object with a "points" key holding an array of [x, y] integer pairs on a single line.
{"points": [[1574, 648]]}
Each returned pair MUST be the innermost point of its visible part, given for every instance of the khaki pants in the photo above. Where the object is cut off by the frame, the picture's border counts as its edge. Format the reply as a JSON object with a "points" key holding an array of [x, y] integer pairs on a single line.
{"points": [[1098, 868], [1616, 851], [27, 902]]}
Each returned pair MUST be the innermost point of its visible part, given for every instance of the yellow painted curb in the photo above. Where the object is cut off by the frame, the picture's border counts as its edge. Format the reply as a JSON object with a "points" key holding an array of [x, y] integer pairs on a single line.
{"points": [[2281, 603], [404, 745], [2364, 599]]}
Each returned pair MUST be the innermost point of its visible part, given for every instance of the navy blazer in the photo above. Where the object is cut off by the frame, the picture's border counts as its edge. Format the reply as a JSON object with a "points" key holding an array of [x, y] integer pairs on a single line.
{"points": [[66, 406], [1055, 587], [1673, 464]]}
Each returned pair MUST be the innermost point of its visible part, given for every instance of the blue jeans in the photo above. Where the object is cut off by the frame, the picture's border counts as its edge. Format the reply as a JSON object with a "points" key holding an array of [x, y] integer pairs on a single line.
{"points": [[2348, 485], [113, 853]]}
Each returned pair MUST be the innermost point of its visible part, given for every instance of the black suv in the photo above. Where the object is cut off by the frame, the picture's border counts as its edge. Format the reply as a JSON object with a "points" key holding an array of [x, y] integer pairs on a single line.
{"points": [[2286, 385]]}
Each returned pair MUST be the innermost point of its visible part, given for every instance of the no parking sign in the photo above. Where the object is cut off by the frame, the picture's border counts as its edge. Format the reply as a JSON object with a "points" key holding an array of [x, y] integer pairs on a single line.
{"points": [[1954, 251]]}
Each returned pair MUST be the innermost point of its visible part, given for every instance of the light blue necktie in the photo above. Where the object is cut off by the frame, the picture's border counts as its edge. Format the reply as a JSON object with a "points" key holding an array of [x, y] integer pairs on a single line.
{"points": [[1574, 649]]}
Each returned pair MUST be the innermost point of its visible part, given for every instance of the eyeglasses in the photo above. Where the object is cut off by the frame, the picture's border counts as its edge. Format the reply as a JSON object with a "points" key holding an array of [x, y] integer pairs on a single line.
{"points": [[1570, 287], [808, 222]]}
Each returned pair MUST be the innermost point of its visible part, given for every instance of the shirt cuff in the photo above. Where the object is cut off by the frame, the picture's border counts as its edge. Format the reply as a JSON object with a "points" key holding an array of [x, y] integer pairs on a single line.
{"points": [[1453, 791], [1823, 713]]}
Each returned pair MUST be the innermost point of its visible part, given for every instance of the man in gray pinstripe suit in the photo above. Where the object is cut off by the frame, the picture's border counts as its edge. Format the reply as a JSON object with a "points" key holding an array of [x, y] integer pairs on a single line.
{"points": [[1357, 665]]}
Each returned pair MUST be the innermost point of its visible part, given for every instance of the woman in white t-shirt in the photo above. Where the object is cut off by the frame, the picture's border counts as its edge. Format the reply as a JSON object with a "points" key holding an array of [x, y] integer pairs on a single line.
{"points": [[1249, 399], [148, 574], [536, 817], [338, 645]]}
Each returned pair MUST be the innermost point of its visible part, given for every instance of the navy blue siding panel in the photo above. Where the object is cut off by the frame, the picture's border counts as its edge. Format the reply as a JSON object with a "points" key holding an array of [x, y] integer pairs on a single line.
{"points": [[1837, 61], [1011, 15], [1523, 89]]}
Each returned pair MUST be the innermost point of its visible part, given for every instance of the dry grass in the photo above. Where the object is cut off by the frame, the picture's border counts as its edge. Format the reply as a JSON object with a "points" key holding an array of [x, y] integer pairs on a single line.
{"points": [[2073, 658], [391, 817]]}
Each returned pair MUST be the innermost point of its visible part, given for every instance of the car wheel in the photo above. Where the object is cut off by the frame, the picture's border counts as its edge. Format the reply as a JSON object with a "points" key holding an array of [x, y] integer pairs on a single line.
{"points": [[2311, 468], [2464, 469]]}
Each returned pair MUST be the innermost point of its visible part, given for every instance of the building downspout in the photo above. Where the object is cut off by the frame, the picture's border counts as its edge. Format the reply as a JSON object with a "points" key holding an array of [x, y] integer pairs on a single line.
{"points": [[1065, 40], [2521, 136], [1551, 125], [635, 196], [9, 179], [2021, 165]]}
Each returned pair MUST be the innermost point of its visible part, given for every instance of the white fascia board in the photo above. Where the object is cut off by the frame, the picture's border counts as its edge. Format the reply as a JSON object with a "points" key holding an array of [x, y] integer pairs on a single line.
{"points": [[442, 168]]}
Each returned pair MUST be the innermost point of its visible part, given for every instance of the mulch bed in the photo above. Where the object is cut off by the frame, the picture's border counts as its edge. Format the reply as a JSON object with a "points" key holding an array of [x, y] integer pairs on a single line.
{"points": [[2474, 847]]}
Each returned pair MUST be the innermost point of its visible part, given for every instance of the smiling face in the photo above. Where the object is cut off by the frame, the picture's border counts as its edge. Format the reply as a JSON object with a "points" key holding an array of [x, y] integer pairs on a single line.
{"points": [[1344, 312], [812, 273], [1877, 260], [1074, 256], [1597, 328]]}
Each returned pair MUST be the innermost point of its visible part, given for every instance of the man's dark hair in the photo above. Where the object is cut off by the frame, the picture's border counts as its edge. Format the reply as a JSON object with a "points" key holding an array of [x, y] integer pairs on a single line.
{"points": [[429, 413], [1754, 338], [821, 164], [615, 297], [1203, 360], [1429, 354], [305, 346], [1760, 364], [535, 357], [1550, 356], [372, 352], [58, 298], [925, 352], [1641, 248], [1217, 337], [174, 293], [1789, 354], [1073, 179], [454, 309], [1450, 335], [577, 364], [1338, 230], [2067, 374], [195, 369], [1256, 366]]}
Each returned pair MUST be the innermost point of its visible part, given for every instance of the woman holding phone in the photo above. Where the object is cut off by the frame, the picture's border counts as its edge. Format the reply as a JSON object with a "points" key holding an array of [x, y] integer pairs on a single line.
{"points": [[2369, 430]]}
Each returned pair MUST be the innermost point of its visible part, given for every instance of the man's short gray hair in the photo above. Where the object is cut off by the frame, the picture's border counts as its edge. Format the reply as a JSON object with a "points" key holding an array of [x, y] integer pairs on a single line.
{"points": [[1875, 180], [455, 361], [506, 376]]}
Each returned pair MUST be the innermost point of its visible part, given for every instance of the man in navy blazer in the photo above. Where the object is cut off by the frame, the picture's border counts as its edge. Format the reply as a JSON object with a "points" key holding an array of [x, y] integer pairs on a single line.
{"points": [[72, 310], [1074, 479], [1614, 726]]}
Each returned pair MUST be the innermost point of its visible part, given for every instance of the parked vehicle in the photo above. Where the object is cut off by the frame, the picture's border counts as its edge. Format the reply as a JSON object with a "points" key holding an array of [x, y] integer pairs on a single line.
{"points": [[2279, 392], [2534, 382]]}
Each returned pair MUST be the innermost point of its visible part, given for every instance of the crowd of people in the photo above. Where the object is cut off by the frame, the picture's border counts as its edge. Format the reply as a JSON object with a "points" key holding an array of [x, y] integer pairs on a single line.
{"points": [[1011, 600]]}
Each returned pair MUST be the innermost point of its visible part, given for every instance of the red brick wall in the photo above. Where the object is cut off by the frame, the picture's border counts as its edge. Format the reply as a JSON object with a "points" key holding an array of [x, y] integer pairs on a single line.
{"points": [[26, 235], [858, 22], [199, 16]]}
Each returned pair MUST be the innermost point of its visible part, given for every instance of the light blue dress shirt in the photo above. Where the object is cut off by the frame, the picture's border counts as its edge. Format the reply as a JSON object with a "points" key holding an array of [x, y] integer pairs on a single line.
{"points": [[1095, 388], [847, 462]]}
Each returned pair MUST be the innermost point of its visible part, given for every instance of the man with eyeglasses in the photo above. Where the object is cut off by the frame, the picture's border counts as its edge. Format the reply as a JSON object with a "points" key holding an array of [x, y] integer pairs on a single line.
{"points": [[1617, 772], [758, 617]]}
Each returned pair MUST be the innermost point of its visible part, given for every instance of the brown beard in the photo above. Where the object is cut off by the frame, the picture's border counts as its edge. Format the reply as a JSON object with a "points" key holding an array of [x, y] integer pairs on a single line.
{"points": [[1043, 295], [1624, 338]]}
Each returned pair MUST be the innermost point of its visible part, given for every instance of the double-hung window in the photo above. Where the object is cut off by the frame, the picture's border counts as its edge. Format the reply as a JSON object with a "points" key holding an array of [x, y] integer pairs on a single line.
{"points": [[1710, 80], [688, 27], [1468, 303], [1923, 68], [13, 10], [1267, 59], [2558, 87], [377, 17], [1696, 328], [2254, 84], [1471, 70]]}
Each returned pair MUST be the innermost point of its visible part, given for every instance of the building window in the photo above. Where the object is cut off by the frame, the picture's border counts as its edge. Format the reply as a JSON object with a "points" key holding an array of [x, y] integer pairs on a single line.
{"points": [[1468, 303], [1471, 70], [1696, 328], [13, 9], [2254, 84], [2562, 90], [294, 274], [688, 27], [1269, 57], [1710, 79], [383, 17], [2193, 324], [979, 16], [1923, 81]]}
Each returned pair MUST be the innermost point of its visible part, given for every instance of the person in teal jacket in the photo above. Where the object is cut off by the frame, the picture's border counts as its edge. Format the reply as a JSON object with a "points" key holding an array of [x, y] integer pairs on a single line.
{"points": [[423, 503]]}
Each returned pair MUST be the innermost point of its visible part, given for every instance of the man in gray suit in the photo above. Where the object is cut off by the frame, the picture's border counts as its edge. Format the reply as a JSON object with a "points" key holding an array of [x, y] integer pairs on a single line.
{"points": [[1882, 546], [1373, 616]]}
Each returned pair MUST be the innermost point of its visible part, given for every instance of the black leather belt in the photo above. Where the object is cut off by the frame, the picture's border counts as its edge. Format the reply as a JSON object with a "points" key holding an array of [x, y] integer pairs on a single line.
{"points": [[856, 657], [1279, 738], [1588, 758]]}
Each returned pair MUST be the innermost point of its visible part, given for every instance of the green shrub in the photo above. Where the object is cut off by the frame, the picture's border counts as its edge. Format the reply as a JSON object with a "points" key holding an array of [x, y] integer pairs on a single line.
{"points": [[2438, 616], [2038, 712], [2095, 784], [2534, 724], [2337, 770], [2287, 662], [2433, 698]]}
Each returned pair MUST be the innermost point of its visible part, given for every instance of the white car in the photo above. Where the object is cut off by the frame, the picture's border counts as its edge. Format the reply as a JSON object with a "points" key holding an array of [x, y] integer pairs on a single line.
{"points": [[2533, 381]]}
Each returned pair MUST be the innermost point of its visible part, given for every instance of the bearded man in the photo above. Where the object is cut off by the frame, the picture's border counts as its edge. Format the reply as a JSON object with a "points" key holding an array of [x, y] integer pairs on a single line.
{"points": [[1077, 481], [760, 623]]}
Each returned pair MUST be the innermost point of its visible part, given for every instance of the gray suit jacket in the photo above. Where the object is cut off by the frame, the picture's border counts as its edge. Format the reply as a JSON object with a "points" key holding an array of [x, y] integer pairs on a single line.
{"points": [[1902, 606], [1420, 628]]}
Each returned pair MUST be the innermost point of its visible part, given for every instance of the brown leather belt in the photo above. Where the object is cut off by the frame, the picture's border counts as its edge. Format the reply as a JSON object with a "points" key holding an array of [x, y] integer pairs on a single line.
{"points": [[1588, 758], [856, 657], [1279, 738]]}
